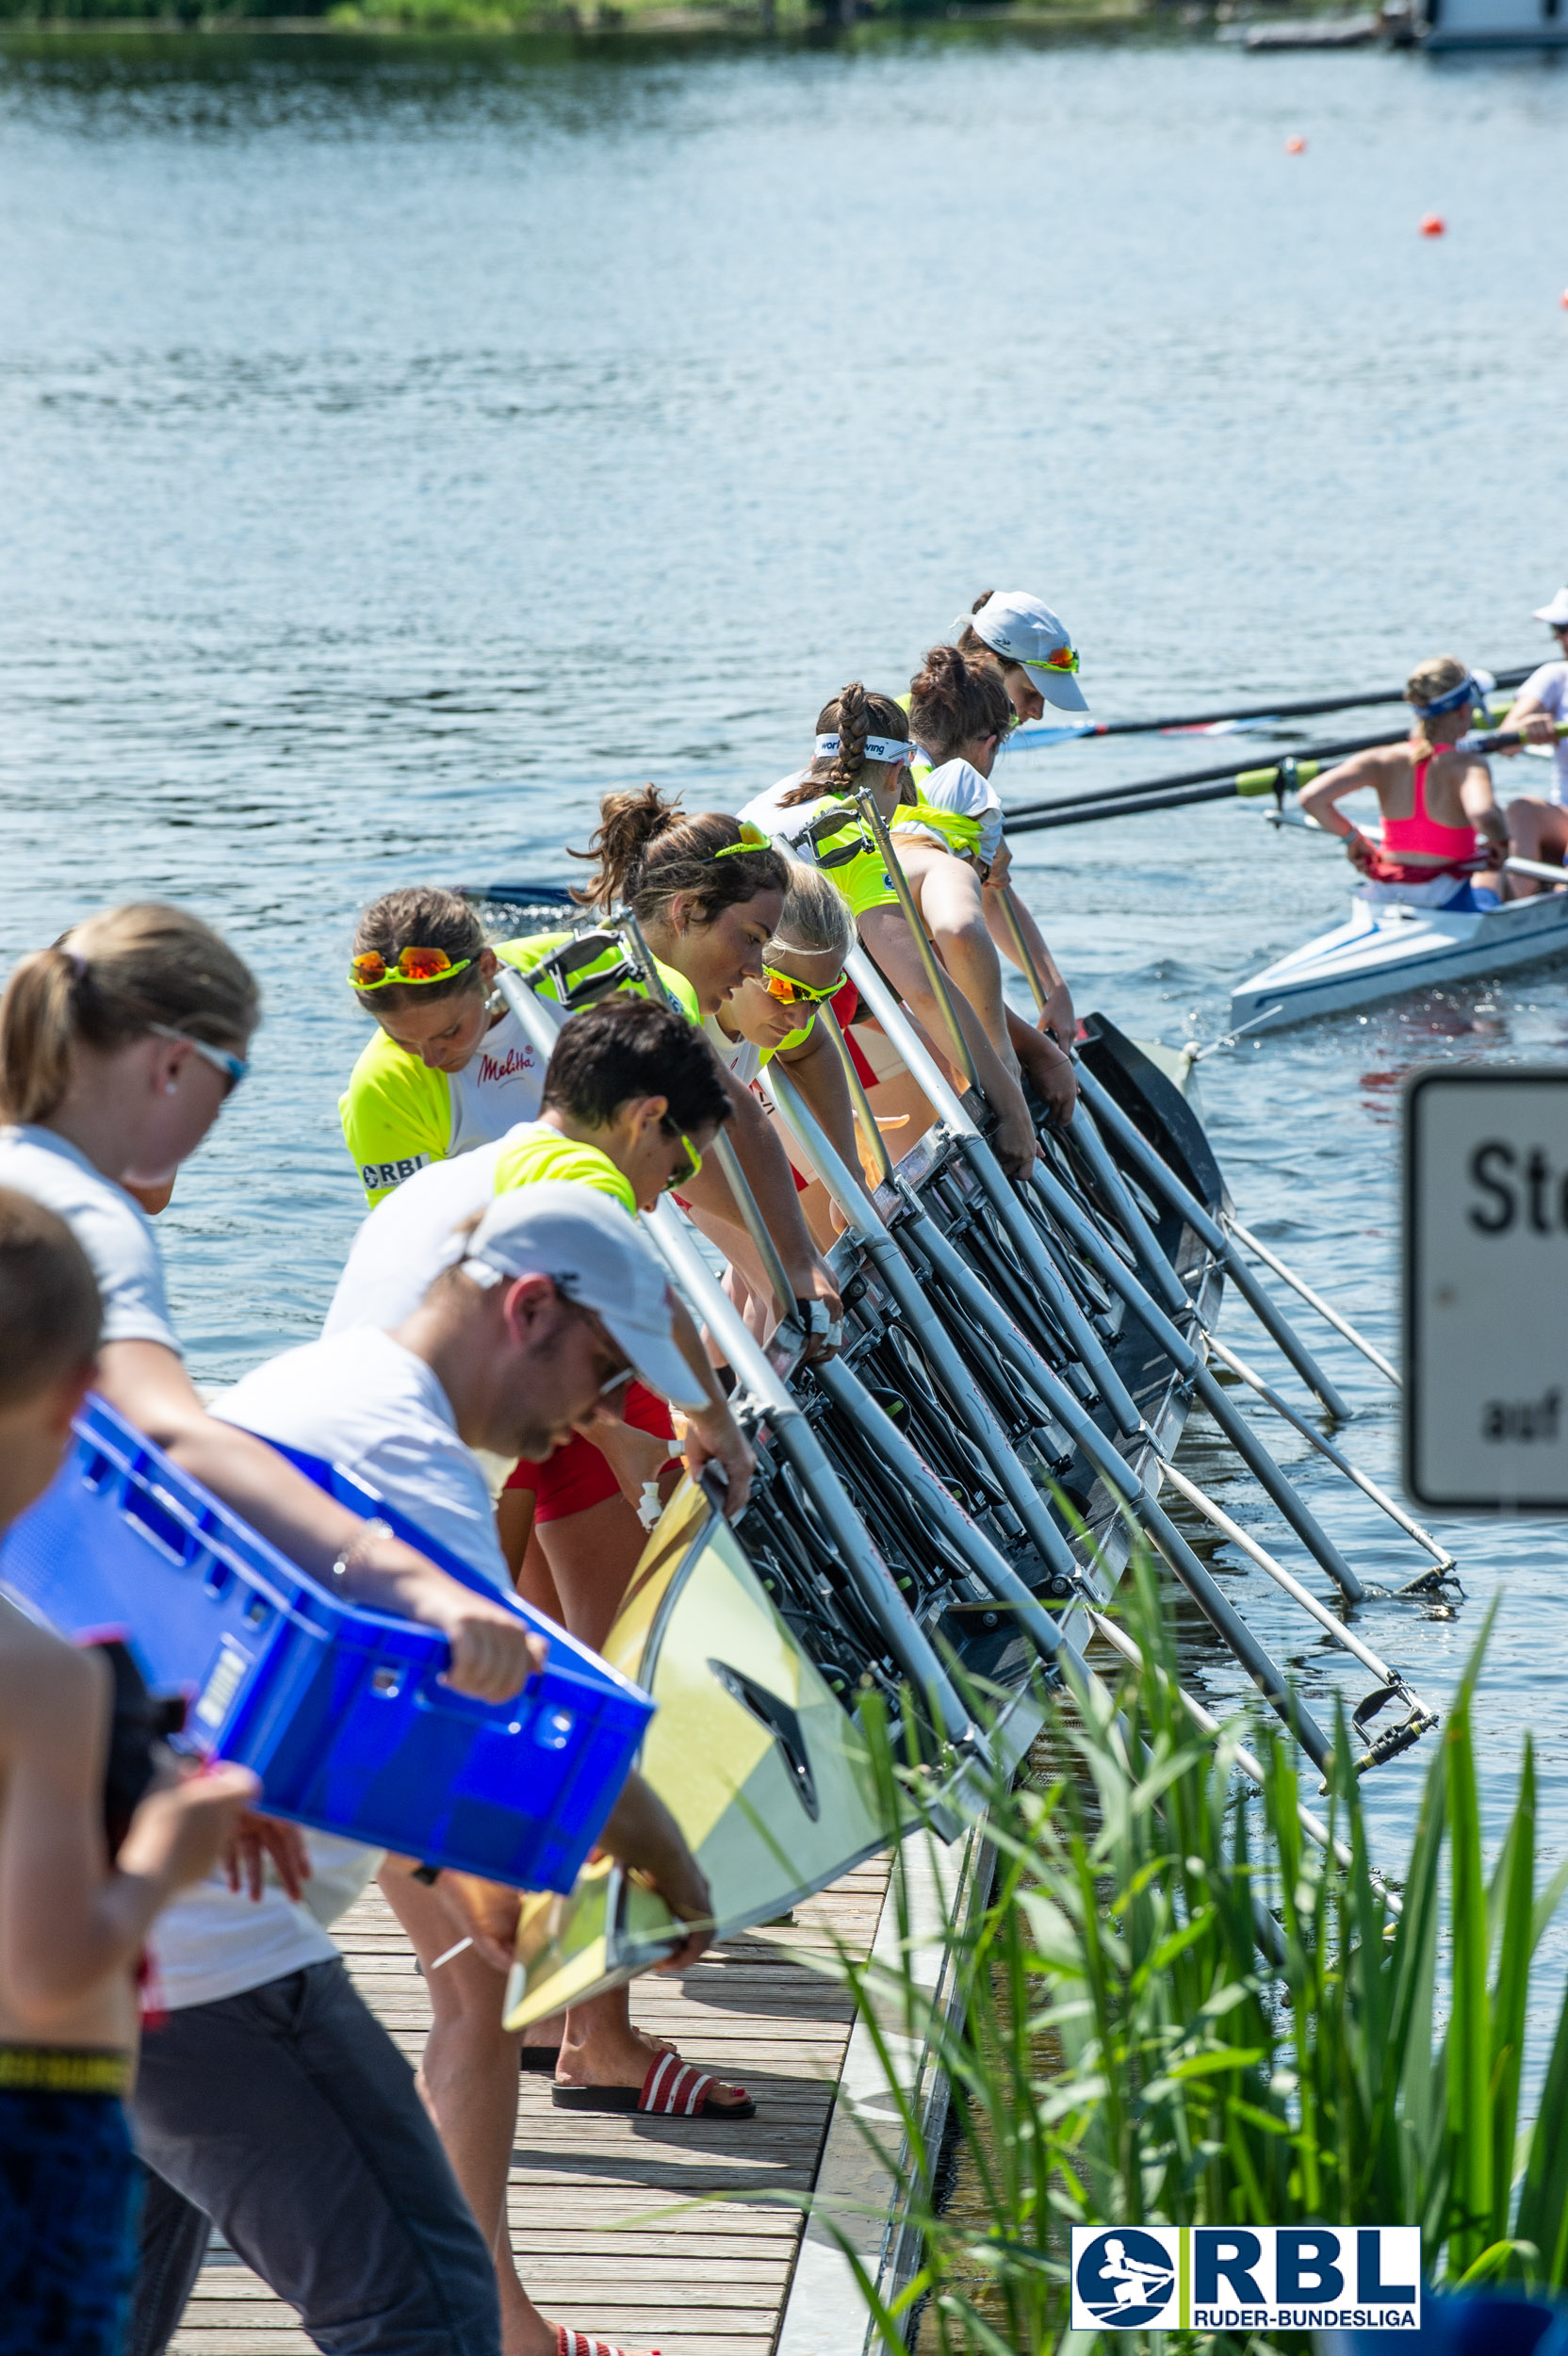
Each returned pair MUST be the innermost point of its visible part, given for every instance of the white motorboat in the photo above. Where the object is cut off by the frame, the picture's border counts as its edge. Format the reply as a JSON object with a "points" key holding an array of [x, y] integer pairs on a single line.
{"points": [[1382, 952]]}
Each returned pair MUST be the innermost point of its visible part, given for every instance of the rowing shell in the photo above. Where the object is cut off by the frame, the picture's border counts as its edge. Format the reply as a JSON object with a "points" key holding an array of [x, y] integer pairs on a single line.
{"points": [[1382, 952]]}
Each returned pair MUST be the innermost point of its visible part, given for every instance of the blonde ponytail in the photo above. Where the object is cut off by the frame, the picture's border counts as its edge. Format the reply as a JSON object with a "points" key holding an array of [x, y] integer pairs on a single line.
{"points": [[106, 982], [38, 1024]]}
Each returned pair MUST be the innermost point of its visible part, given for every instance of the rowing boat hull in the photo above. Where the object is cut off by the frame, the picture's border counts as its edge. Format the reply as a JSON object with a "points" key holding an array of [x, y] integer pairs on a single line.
{"points": [[1381, 953]]}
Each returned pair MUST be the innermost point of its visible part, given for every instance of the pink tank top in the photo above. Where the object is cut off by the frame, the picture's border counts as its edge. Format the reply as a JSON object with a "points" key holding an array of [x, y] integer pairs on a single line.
{"points": [[1418, 832]]}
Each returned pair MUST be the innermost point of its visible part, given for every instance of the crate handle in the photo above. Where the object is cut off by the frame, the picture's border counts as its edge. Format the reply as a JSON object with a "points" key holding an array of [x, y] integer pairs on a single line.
{"points": [[155, 1514], [433, 1694]]}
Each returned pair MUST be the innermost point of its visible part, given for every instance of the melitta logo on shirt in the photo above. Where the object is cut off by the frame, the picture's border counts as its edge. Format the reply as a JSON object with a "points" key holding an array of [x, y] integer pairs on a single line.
{"points": [[515, 1060], [391, 1173]]}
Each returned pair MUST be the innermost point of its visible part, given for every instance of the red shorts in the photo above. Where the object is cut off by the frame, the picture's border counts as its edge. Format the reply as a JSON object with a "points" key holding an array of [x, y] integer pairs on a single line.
{"points": [[578, 1475]]}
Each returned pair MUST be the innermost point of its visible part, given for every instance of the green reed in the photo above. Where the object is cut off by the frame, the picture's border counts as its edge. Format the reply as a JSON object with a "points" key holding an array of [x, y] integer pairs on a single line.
{"points": [[1171, 2006]]}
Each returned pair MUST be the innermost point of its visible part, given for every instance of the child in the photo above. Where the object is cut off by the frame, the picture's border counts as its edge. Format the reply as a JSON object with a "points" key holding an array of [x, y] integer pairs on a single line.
{"points": [[72, 1919]]}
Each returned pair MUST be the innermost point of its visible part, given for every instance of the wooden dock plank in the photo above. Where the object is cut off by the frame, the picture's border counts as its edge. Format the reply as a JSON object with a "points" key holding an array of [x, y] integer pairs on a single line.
{"points": [[590, 2200]]}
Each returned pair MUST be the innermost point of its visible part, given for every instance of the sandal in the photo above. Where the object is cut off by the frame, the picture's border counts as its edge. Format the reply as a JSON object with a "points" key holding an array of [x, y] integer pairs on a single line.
{"points": [[570, 2343], [672, 2089], [542, 2059]]}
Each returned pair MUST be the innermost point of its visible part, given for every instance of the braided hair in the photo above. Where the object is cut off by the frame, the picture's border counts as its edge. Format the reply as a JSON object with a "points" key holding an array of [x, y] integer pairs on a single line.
{"points": [[647, 852], [953, 702], [854, 714]]}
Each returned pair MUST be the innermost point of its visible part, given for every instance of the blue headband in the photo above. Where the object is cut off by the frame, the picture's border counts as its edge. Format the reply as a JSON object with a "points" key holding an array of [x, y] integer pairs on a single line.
{"points": [[1465, 693]]}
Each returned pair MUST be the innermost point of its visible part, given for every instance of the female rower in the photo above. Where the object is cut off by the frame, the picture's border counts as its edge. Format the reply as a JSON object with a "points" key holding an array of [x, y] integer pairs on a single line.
{"points": [[1440, 823], [776, 1021], [960, 713], [449, 1066], [117, 1048], [708, 896], [863, 742], [1020, 637]]}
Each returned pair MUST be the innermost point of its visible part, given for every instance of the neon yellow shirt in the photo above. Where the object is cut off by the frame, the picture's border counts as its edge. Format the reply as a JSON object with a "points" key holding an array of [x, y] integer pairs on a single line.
{"points": [[397, 1115], [546, 1154], [862, 877], [526, 955]]}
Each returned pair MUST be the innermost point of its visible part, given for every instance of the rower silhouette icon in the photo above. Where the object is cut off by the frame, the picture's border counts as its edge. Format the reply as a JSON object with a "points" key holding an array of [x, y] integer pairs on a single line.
{"points": [[1126, 2279]]}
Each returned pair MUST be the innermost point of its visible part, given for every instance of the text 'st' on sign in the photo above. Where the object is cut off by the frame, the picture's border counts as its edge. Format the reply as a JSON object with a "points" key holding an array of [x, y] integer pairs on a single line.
{"points": [[1486, 1289]]}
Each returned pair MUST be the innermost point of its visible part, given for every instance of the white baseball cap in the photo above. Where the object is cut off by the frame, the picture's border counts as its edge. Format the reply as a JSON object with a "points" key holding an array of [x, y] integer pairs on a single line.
{"points": [[1020, 629], [591, 1253], [1557, 613]]}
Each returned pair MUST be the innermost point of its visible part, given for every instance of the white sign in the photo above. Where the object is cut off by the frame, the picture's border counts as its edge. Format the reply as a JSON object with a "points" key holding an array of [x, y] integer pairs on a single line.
{"points": [[1234, 2279], [1486, 1289]]}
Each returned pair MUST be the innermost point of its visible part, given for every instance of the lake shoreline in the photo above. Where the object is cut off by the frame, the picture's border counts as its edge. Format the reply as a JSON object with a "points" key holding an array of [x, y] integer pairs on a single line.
{"points": [[478, 21]]}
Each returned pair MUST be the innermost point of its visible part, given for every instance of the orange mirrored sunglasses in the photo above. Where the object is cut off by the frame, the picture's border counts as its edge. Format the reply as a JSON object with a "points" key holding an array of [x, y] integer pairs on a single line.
{"points": [[370, 970]]}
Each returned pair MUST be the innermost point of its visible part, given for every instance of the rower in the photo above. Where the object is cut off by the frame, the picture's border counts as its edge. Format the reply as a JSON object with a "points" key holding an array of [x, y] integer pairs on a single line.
{"points": [[959, 711], [449, 1066], [1019, 636], [1538, 824], [1436, 799], [863, 743]]}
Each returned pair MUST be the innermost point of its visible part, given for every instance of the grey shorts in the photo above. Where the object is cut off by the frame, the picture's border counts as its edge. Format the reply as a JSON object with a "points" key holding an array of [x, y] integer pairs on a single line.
{"points": [[287, 2117]]}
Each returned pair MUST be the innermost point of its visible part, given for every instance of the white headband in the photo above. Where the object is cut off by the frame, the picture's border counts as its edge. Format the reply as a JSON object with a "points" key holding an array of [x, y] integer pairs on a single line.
{"points": [[891, 749]]}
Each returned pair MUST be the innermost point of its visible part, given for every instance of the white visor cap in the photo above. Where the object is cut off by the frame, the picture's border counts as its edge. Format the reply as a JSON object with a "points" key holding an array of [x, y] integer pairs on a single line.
{"points": [[589, 1249], [1022, 630], [1557, 613]]}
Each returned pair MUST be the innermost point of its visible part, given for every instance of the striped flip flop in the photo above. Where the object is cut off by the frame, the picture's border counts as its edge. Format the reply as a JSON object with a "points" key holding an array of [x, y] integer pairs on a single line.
{"points": [[672, 2089], [569, 2343]]}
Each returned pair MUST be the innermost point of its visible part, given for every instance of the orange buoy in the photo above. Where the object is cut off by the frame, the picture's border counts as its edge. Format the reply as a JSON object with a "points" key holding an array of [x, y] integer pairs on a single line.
{"points": [[1433, 225], [1565, 298], [1295, 144]]}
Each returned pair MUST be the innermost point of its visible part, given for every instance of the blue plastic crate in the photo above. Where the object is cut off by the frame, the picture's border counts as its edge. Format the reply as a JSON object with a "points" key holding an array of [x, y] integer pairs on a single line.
{"points": [[339, 1711]]}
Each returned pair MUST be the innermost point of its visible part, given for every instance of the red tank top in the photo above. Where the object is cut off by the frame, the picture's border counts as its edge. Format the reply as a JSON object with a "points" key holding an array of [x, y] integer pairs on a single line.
{"points": [[1419, 832]]}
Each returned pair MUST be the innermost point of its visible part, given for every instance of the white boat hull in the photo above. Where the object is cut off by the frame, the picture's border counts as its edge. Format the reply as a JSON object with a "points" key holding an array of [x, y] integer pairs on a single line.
{"points": [[1382, 952]]}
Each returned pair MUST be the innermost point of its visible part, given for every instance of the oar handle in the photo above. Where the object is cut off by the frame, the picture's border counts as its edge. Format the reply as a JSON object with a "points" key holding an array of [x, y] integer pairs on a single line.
{"points": [[1286, 774]]}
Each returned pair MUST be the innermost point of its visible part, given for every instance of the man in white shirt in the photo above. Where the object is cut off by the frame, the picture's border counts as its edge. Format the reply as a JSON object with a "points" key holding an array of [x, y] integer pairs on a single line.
{"points": [[272, 2103], [1537, 824]]}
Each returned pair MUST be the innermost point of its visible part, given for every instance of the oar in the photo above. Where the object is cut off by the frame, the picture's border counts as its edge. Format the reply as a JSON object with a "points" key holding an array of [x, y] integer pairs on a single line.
{"points": [[1055, 732], [1218, 785]]}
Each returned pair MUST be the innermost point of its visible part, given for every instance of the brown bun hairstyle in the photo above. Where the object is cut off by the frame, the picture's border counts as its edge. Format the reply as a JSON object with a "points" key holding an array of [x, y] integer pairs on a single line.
{"points": [[953, 702], [648, 852]]}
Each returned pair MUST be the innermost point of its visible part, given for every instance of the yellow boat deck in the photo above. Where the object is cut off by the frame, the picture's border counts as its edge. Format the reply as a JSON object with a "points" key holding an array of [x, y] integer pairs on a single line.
{"points": [[708, 2281]]}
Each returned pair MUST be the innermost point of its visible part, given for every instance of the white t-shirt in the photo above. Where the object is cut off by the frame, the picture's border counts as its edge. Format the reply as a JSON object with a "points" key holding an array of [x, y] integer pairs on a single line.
{"points": [[1548, 687], [958, 786], [396, 1257], [505, 1076], [364, 1402], [115, 1232], [740, 1057], [764, 811]]}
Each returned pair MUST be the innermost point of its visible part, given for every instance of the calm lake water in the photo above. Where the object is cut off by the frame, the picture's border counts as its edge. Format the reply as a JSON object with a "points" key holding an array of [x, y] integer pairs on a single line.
{"points": [[403, 445]]}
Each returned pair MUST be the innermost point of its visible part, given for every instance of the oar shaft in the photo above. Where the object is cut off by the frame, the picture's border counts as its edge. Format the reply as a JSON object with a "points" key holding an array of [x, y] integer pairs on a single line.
{"points": [[1276, 711], [1190, 1361], [1218, 785], [1313, 1300], [1221, 773], [1159, 1174]]}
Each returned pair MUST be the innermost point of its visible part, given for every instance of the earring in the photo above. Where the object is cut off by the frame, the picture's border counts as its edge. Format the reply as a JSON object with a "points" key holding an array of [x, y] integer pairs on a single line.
{"points": [[170, 1087]]}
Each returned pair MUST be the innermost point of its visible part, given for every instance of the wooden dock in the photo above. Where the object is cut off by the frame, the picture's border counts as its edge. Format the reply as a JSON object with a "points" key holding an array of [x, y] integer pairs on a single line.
{"points": [[705, 2281]]}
